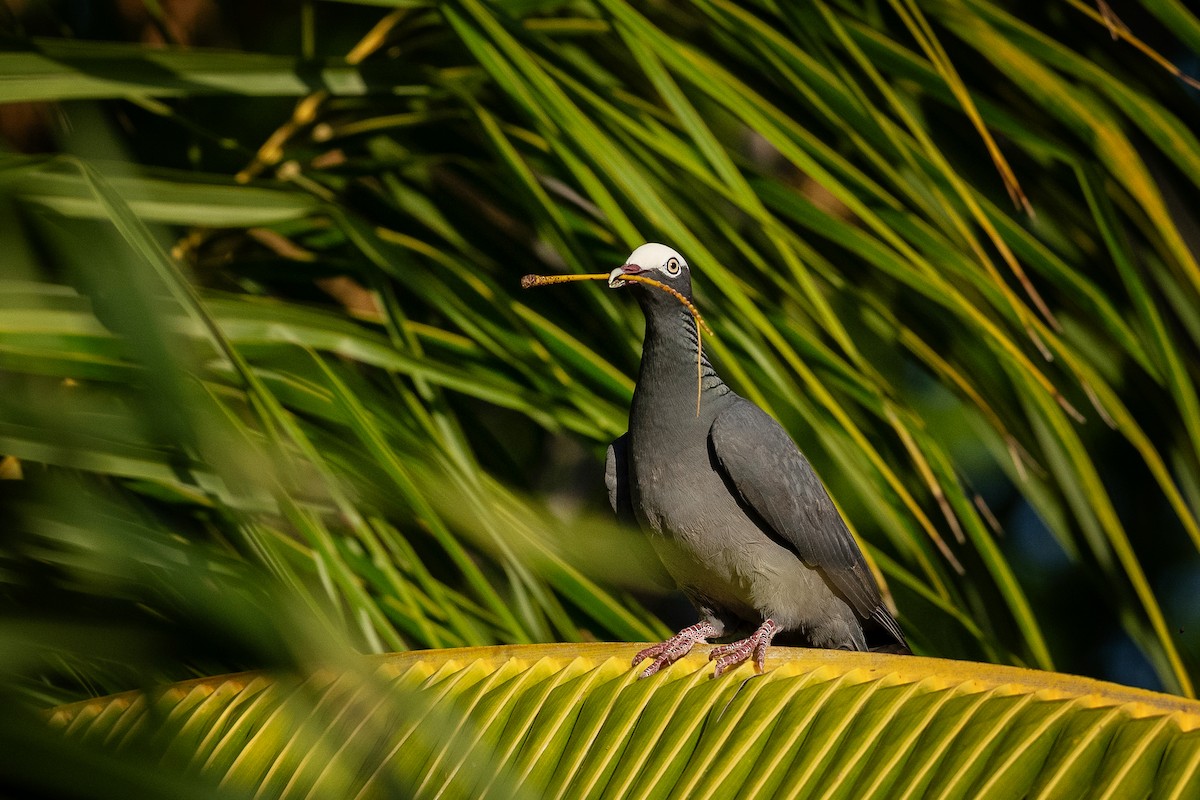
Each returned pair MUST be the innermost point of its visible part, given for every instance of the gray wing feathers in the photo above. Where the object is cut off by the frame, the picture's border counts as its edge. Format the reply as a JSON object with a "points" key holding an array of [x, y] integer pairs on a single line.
{"points": [[616, 478], [885, 619], [774, 479]]}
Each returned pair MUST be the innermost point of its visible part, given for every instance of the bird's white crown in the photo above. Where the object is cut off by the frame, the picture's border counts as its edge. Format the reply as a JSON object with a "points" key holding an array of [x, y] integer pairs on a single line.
{"points": [[653, 255]]}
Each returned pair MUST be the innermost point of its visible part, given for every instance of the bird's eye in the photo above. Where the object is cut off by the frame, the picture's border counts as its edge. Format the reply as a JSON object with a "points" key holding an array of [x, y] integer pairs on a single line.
{"points": [[673, 266]]}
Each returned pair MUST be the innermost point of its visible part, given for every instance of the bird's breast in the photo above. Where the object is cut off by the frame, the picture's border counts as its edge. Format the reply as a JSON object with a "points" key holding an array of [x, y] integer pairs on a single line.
{"points": [[678, 493], [669, 467]]}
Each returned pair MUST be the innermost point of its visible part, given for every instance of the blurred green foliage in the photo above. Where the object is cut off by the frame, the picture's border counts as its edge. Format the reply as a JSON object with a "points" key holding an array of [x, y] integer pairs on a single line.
{"points": [[272, 394]]}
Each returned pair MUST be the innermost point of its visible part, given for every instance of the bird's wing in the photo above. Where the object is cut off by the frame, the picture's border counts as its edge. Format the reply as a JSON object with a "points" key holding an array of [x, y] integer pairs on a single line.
{"points": [[616, 478], [761, 463]]}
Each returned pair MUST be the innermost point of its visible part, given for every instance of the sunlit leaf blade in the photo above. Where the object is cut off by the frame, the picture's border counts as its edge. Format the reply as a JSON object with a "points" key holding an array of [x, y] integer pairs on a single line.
{"points": [[573, 721], [54, 69], [174, 198]]}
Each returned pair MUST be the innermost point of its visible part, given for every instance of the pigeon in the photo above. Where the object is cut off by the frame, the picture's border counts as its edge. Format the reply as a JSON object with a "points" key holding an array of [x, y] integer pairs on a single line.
{"points": [[735, 512]]}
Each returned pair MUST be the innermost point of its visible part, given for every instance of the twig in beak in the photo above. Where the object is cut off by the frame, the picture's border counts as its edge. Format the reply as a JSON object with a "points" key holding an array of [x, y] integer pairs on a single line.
{"points": [[530, 281]]}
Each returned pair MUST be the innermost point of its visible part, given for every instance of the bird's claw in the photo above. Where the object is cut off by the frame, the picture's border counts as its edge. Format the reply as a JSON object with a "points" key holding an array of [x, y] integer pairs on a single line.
{"points": [[675, 648], [734, 653]]}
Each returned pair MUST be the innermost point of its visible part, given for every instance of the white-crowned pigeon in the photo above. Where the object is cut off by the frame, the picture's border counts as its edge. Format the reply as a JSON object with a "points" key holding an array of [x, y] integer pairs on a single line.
{"points": [[735, 511]]}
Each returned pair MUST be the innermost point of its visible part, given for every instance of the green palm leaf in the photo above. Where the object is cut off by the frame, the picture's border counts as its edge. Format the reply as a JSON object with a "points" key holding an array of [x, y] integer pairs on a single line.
{"points": [[574, 721]]}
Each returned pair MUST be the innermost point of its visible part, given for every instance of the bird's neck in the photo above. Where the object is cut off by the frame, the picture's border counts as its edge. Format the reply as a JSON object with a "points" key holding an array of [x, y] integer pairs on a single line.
{"points": [[667, 378]]}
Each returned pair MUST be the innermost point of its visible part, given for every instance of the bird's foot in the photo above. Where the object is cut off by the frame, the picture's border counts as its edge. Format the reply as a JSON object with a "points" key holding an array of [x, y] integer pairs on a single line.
{"points": [[734, 653], [675, 648]]}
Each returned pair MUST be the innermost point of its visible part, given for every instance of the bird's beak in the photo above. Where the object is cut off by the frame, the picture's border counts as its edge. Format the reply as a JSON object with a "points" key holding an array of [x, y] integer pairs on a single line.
{"points": [[614, 277]]}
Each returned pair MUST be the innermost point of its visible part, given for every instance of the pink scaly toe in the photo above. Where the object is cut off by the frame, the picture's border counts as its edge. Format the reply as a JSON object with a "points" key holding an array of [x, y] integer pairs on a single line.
{"points": [[675, 648], [734, 653]]}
